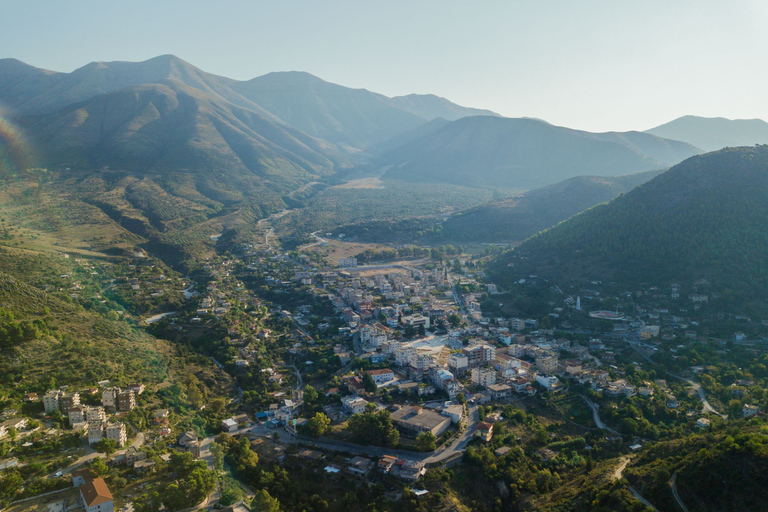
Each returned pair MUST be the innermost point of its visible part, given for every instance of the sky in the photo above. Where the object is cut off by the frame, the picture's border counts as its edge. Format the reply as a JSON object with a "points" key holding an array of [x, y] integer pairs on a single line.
{"points": [[588, 64]]}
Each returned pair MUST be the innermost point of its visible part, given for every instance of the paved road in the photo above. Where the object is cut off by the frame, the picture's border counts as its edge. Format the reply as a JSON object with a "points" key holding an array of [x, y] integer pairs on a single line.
{"points": [[92, 454], [707, 407], [673, 485], [596, 416], [456, 447]]}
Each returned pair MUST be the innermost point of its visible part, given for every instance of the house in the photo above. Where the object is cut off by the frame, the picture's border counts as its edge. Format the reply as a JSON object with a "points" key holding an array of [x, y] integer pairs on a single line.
{"points": [[160, 416], [229, 425], [381, 377], [80, 476], [455, 412], [703, 423], [415, 420], [484, 431], [749, 410], [359, 465], [500, 391], [9, 463], [188, 438], [353, 404], [386, 462], [136, 388], [412, 470], [95, 496]]}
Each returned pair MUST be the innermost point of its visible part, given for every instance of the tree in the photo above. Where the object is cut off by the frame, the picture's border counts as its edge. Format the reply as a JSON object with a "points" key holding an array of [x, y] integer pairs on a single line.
{"points": [[100, 467], [454, 320], [426, 442], [368, 383], [317, 425], [310, 394], [106, 446], [374, 428], [263, 502]]}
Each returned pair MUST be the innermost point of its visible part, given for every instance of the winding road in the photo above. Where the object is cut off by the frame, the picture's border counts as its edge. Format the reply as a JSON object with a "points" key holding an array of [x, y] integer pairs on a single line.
{"points": [[707, 407], [596, 416]]}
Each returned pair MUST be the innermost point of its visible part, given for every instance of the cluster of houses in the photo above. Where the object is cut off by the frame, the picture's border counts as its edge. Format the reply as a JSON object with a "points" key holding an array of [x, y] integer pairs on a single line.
{"points": [[94, 419]]}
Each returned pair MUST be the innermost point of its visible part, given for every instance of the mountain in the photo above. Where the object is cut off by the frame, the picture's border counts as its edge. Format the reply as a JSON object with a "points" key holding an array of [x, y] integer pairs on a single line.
{"points": [[522, 154], [703, 221], [28, 90], [172, 126], [518, 217], [355, 118], [713, 133]]}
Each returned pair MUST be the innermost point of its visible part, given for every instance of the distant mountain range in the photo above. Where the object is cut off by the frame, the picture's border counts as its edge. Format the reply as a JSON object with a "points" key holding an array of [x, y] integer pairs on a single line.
{"points": [[711, 134], [165, 113], [702, 221], [522, 154]]}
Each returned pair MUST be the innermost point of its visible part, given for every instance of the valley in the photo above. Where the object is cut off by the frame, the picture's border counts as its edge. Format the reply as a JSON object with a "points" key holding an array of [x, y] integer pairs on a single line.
{"points": [[297, 295]]}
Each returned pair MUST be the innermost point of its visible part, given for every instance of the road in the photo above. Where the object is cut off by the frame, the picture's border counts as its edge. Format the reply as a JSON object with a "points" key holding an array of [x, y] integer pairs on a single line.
{"points": [[617, 476], [456, 447], [92, 454], [673, 485], [707, 407], [596, 416]]}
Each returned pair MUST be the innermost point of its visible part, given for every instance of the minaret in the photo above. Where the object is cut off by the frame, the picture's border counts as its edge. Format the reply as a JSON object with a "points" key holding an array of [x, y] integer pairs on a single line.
{"points": [[578, 303]]}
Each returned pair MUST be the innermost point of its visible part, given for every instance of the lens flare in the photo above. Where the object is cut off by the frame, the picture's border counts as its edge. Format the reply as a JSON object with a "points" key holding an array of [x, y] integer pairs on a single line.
{"points": [[14, 150]]}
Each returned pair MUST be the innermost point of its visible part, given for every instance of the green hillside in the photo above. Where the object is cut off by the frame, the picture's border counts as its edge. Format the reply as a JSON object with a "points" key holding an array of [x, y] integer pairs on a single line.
{"points": [[702, 221]]}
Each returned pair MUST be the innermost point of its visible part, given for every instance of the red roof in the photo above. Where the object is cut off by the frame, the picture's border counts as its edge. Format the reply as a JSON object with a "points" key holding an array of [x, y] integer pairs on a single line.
{"points": [[484, 426], [95, 492]]}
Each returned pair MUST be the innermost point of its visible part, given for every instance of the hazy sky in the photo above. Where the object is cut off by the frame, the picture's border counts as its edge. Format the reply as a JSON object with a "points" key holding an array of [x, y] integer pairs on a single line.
{"points": [[597, 65]]}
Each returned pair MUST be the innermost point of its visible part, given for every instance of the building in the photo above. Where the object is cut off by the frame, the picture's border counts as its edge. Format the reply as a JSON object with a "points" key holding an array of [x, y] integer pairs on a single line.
{"points": [[412, 470], [95, 496], [77, 415], [455, 412], [484, 431], [479, 355], [500, 391], [416, 321], [95, 431], [703, 423], [109, 397], [95, 414], [483, 377], [359, 465], [188, 439], [126, 400], [386, 462], [229, 425], [117, 432], [353, 404], [381, 377], [68, 401], [547, 364], [51, 400], [347, 262], [749, 410], [415, 420], [458, 363]]}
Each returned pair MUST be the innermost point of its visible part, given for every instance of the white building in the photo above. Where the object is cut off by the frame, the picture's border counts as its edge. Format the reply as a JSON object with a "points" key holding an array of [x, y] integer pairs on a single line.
{"points": [[353, 404], [117, 432]]}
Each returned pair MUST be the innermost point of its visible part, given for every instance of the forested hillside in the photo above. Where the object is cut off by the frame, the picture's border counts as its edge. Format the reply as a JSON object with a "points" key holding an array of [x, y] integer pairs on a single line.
{"points": [[702, 221]]}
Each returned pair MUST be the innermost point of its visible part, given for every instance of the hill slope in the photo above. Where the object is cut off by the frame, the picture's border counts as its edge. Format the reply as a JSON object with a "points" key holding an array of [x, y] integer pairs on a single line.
{"points": [[524, 154], [173, 126], [714, 133], [518, 217], [703, 219], [352, 117]]}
